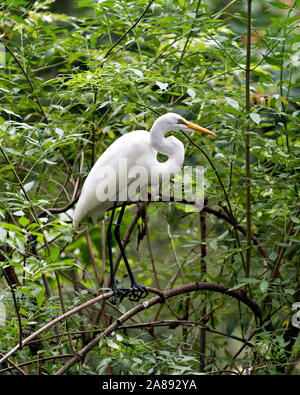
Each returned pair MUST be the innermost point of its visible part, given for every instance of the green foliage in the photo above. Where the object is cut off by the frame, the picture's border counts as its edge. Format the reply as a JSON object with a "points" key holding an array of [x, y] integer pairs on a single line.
{"points": [[137, 357], [73, 78]]}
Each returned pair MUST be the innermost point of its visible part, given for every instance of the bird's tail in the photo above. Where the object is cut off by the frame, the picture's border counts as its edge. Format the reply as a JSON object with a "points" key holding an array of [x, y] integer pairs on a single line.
{"points": [[76, 226], [77, 218]]}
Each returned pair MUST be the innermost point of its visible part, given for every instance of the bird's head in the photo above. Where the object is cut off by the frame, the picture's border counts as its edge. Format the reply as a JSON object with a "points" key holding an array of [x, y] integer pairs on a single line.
{"points": [[175, 121]]}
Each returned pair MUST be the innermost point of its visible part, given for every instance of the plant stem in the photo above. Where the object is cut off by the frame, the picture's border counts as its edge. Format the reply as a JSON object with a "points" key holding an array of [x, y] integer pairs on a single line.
{"points": [[202, 336], [247, 147], [92, 256], [127, 32], [234, 221]]}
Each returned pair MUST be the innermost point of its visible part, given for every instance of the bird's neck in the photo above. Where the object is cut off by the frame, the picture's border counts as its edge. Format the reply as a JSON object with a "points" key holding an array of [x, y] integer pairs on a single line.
{"points": [[169, 146]]}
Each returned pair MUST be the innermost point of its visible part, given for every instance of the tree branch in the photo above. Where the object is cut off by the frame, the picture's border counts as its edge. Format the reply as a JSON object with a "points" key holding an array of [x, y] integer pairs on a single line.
{"points": [[159, 298]]}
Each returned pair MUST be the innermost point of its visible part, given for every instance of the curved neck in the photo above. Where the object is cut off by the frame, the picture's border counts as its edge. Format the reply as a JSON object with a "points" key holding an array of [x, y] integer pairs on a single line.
{"points": [[169, 146]]}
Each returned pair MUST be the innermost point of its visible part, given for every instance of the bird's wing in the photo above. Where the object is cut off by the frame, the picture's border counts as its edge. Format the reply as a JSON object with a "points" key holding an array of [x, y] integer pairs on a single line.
{"points": [[103, 178]]}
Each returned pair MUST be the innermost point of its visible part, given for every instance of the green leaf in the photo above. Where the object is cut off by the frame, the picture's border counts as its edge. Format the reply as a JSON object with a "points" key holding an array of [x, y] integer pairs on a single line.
{"points": [[289, 291], [2, 234], [162, 85], [231, 324], [255, 118], [13, 151], [280, 5], [273, 61], [20, 245], [244, 281], [40, 297], [233, 103], [18, 213], [273, 255], [54, 253], [191, 93], [11, 113], [213, 244], [11, 227], [138, 73], [23, 221], [263, 286], [112, 344], [29, 185], [8, 167]]}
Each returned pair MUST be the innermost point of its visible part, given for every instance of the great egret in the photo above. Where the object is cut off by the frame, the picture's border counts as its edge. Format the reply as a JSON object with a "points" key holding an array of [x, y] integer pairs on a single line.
{"points": [[107, 181]]}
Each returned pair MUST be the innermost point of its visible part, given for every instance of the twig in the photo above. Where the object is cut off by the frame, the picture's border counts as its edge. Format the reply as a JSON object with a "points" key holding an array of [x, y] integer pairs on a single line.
{"points": [[160, 298], [127, 32], [33, 213], [150, 249], [202, 335], [32, 361], [13, 366], [187, 40], [172, 324], [103, 253], [63, 310], [12, 289], [92, 255], [94, 126], [27, 77], [247, 147], [234, 222], [174, 251]]}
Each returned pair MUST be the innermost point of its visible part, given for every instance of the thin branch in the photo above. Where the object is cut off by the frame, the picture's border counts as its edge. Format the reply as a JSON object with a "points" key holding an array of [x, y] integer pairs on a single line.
{"points": [[12, 289], [150, 249], [202, 336], [63, 309], [159, 298], [187, 39], [33, 212], [224, 191], [247, 147], [172, 324], [92, 256], [94, 126], [33, 361], [13, 366], [28, 79], [127, 32]]}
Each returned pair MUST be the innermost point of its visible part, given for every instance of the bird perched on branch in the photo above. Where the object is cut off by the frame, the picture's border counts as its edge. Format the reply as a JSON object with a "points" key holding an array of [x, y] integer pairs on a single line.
{"points": [[112, 179]]}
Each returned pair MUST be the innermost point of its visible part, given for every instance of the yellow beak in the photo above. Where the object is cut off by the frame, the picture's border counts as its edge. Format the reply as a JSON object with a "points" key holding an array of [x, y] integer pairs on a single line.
{"points": [[199, 128]]}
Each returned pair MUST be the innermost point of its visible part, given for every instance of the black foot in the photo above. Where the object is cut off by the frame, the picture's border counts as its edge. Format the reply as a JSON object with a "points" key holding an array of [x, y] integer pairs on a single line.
{"points": [[119, 295], [137, 292]]}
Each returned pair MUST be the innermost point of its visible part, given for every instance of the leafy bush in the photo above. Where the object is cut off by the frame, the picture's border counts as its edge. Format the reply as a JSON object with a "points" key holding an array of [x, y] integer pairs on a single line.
{"points": [[74, 80]]}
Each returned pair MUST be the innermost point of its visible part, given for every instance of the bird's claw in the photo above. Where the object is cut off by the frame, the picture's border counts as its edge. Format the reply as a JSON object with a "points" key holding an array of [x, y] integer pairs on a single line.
{"points": [[119, 295], [137, 292], [134, 294]]}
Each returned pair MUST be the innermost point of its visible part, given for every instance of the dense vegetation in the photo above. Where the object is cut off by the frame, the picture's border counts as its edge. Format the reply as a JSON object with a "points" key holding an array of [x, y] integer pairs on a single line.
{"points": [[72, 80]]}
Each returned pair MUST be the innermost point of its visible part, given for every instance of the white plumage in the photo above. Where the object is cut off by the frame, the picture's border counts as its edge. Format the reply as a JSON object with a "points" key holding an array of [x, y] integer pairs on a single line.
{"points": [[137, 148]]}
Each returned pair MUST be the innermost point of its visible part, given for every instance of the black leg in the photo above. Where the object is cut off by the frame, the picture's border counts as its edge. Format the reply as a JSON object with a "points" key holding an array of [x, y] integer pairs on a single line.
{"points": [[118, 293], [138, 291]]}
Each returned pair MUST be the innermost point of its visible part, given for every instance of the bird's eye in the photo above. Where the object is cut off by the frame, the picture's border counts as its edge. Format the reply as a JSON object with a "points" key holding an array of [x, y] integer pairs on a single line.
{"points": [[180, 121]]}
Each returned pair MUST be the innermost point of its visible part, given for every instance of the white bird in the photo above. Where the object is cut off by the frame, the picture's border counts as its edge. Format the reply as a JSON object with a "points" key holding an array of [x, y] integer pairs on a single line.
{"points": [[108, 182]]}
